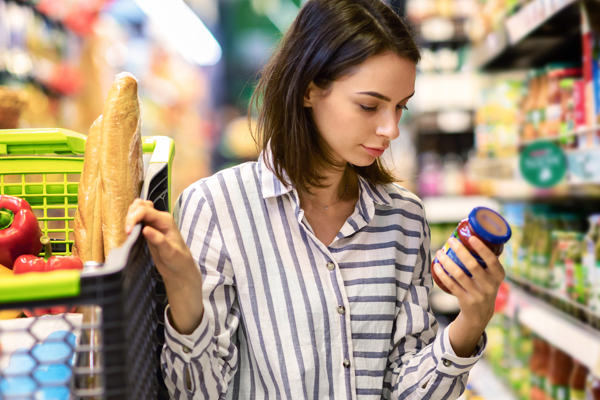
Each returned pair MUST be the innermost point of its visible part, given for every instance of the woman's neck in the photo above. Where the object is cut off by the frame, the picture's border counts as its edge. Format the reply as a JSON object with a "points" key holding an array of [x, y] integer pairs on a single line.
{"points": [[338, 185]]}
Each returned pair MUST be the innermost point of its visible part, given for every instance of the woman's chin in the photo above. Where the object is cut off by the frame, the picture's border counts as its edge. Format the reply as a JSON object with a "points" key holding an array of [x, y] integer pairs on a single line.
{"points": [[362, 161]]}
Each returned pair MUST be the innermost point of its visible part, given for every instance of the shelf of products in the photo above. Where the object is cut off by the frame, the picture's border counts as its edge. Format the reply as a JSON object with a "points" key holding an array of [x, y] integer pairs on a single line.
{"points": [[502, 180], [533, 368], [441, 30], [555, 327], [539, 32]]}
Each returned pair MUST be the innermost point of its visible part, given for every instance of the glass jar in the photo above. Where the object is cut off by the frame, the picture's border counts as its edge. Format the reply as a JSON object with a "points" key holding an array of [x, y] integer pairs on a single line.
{"points": [[487, 225]]}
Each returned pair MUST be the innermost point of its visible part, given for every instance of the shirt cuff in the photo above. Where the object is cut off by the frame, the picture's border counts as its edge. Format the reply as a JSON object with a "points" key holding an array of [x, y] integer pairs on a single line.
{"points": [[188, 346], [448, 363]]}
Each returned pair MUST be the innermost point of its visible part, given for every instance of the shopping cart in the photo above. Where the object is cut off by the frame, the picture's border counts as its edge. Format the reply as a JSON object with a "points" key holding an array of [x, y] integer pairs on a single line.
{"points": [[113, 353]]}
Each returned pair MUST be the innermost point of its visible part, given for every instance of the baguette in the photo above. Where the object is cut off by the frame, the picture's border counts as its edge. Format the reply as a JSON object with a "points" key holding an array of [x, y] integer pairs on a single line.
{"points": [[121, 160], [87, 229]]}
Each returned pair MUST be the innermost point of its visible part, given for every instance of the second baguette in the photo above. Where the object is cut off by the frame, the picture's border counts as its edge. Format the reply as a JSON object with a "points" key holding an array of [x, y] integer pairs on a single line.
{"points": [[89, 244]]}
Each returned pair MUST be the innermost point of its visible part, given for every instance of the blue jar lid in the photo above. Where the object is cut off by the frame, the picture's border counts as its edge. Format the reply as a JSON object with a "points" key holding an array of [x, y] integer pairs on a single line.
{"points": [[489, 225]]}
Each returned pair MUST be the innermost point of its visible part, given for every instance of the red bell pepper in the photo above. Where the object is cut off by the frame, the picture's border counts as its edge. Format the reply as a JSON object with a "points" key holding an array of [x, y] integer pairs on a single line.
{"points": [[29, 263], [19, 230]]}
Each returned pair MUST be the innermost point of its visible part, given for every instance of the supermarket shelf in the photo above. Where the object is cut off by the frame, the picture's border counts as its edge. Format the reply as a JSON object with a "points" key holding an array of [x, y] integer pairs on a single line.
{"points": [[445, 122], [7, 77], [579, 340], [487, 385], [501, 179], [533, 37], [572, 134], [520, 190], [441, 30], [454, 209]]}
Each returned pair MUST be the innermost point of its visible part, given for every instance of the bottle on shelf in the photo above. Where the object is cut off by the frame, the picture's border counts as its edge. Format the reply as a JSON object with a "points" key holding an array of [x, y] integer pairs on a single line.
{"points": [[576, 273], [577, 381], [559, 375], [539, 364], [529, 107], [591, 259]]}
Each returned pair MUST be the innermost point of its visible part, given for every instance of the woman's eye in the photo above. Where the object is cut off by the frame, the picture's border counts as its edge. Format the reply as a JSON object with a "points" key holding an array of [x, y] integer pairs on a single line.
{"points": [[405, 108], [368, 109]]}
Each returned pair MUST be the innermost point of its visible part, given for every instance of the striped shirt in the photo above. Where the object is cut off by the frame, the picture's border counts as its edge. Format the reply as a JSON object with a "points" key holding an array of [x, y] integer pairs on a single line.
{"points": [[288, 317]]}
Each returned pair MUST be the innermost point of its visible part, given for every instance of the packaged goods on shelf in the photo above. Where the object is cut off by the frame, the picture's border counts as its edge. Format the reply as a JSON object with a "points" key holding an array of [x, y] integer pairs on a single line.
{"points": [[548, 249], [509, 349], [555, 254], [591, 71], [549, 107], [591, 260], [498, 120], [445, 176], [533, 368]]}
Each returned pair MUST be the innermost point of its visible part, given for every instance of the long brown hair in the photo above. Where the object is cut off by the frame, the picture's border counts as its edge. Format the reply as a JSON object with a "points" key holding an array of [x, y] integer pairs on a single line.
{"points": [[327, 39]]}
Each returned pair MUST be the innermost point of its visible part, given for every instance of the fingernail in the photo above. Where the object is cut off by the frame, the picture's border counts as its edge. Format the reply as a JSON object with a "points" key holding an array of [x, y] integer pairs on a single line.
{"points": [[127, 229]]}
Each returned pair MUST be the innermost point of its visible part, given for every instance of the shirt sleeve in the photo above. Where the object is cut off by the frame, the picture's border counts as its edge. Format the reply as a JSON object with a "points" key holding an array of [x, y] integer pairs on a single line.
{"points": [[422, 364], [202, 364]]}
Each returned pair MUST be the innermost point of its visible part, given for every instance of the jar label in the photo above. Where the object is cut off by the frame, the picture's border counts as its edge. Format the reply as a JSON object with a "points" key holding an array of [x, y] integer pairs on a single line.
{"points": [[454, 257]]}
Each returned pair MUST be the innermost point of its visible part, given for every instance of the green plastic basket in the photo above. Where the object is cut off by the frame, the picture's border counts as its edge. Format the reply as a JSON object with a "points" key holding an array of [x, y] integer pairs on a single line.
{"points": [[43, 166]]}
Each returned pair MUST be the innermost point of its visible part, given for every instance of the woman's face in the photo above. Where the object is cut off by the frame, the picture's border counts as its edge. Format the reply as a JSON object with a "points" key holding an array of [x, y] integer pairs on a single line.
{"points": [[358, 114]]}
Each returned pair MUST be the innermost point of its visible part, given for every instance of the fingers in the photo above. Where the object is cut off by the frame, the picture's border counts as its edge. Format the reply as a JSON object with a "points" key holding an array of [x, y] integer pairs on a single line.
{"points": [[479, 273], [141, 210], [153, 236], [491, 260], [457, 272], [448, 281]]}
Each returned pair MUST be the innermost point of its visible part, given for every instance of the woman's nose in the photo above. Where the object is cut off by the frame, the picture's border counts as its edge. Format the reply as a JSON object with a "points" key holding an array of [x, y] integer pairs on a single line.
{"points": [[388, 128]]}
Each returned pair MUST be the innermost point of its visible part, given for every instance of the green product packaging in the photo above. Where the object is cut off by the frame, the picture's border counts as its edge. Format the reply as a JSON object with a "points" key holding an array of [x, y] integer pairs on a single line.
{"points": [[577, 394]]}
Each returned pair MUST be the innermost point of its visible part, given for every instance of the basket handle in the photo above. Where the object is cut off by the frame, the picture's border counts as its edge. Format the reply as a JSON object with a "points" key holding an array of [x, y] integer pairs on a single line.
{"points": [[41, 141], [40, 286], [64, 141]]}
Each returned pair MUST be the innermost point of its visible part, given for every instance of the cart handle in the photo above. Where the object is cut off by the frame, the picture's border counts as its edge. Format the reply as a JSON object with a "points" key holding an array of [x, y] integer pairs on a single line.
{"points": [[40, 286], [41, 141], [67, 142]]}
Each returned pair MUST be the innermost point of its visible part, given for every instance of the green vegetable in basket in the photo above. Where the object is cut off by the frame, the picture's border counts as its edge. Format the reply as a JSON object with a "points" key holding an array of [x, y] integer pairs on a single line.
{"points": [[20, 232]]}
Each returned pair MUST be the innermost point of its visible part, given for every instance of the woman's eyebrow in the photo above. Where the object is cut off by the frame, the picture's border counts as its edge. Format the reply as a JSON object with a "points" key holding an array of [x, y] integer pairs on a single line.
{"points": [[382, 97]]}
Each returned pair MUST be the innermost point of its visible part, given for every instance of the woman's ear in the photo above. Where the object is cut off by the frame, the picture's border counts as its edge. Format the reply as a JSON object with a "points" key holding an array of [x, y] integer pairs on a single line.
{"points": [[310, 94]]}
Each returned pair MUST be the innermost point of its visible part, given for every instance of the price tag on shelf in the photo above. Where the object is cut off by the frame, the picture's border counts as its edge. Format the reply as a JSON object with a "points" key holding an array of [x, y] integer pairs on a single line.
{"points": [[543, 164]]}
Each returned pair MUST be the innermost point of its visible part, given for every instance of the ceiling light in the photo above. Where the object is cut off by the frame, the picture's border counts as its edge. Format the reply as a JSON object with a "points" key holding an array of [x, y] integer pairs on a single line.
{"points": [[184, 30]]}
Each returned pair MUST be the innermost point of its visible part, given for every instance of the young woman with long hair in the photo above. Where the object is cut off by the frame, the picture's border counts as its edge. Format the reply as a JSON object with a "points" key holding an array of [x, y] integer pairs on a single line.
{"points": [[306, 274]]}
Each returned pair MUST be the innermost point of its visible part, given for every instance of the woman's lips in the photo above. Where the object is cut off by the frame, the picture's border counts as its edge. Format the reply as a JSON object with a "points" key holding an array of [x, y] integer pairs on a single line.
{"points": [[374, 152]]}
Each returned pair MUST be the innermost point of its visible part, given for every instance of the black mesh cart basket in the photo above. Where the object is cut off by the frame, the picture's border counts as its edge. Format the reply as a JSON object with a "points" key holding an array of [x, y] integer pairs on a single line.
{"points": [[92, 334]]}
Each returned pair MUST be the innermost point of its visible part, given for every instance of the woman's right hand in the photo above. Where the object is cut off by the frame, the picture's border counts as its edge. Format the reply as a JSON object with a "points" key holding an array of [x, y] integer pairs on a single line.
{"points": [[173, 260]]}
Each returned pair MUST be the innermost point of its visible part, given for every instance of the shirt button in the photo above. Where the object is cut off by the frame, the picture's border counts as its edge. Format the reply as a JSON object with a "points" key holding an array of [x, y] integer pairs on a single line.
{"points": [[341, 310], [186, 349], [330, 266], [346, 363], [447, 363]]}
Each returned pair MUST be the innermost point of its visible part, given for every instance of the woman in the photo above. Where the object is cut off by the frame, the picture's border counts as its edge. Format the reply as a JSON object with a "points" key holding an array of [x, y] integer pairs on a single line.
{"points": [[306, 274]]}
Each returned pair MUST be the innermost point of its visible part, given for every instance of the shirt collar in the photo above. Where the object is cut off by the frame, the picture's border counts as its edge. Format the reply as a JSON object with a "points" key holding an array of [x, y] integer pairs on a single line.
{"points": [[272, 187]]}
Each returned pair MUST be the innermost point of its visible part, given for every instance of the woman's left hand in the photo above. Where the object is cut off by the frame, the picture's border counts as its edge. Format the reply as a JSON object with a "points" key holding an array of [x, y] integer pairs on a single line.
{"points": [[477, 295]]}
